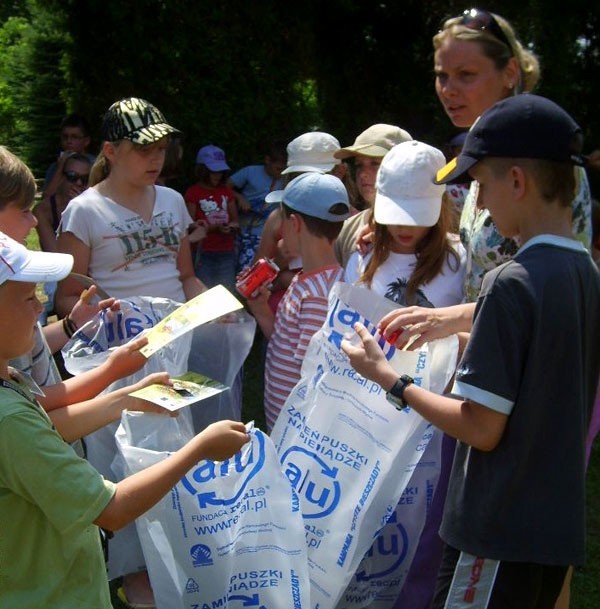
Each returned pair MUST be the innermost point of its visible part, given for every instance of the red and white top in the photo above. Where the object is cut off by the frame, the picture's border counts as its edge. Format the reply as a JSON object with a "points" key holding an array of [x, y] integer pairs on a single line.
{"points": [[301, 312]]}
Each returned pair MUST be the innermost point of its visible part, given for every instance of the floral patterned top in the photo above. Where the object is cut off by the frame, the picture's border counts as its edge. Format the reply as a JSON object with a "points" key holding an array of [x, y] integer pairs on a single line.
{"points": [[487, 249]]}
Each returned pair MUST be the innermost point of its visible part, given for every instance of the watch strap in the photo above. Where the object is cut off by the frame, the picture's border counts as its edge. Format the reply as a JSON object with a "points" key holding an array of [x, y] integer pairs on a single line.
{"points": [[396, 394]]}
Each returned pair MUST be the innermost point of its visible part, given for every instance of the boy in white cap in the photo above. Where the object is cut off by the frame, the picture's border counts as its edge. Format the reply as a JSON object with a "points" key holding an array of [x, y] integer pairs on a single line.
{"points": [[313, 208], [51, 501], [524, 389], [309, 152]]}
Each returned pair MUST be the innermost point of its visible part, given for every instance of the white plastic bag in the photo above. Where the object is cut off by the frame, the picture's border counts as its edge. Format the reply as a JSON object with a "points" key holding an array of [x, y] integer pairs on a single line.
{"points": [[218, 351], [347, 451], [229, 534], [90, 346], [382, 572]]}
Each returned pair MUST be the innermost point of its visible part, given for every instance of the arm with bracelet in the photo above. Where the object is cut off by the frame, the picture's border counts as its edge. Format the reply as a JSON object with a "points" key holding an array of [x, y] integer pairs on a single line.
{"points": [[465, 420], [58, 333]]}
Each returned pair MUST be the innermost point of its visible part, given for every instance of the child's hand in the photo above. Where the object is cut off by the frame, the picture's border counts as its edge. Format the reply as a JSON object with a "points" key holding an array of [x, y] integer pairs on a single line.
{"points": [[364, 239], [222, 440], [127, 359], [85, 309], [139, 405], [243, 203], [415, 326], [261, 301], [368, 359]]}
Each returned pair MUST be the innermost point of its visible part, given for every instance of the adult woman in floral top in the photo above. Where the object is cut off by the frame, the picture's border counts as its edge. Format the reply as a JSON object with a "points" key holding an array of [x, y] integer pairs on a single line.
{"points": [[479, 61]]}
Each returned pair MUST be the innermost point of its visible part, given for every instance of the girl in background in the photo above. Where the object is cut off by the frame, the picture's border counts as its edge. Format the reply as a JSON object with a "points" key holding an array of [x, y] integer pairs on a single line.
{"points": [[212, 204]]}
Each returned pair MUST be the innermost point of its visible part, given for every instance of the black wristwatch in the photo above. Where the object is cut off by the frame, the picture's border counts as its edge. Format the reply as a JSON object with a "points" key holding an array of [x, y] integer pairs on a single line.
{"points": [[395, 395]]}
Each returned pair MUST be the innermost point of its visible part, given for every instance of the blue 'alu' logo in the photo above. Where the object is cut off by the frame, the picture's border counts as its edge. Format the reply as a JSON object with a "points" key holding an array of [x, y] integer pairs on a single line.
{"points": [[313, 480], [341, 318], [128, 322], [392, 545], [210, 470]]}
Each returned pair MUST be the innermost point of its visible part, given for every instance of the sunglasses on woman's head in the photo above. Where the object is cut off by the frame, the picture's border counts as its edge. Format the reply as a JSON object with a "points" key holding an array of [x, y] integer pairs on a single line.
{"points": [[73, 176], [477, 19]]}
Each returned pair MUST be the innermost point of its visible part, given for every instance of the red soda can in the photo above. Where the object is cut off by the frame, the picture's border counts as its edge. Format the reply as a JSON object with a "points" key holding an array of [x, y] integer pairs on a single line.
{"points": [[261, 272]]}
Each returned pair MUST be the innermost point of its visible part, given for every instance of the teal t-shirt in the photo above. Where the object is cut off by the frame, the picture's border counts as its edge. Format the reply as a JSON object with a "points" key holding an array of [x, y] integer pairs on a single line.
{"points": [[50, 550]]}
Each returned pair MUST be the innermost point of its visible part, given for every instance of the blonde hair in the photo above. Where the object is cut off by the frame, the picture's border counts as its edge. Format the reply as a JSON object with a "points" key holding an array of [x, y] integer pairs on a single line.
{"points": [[494, 48], [17, 184], [431, 253], [101, 168]]}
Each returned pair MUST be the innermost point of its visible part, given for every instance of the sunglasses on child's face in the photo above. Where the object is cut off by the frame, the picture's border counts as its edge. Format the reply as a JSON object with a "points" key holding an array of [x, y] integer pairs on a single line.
{"points": [[73, 177], [477, 19]]}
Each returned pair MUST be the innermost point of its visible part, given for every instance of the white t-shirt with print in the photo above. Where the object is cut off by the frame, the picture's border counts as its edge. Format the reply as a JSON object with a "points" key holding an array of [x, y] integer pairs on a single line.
{"points": [[128, 256], [392, 276]]}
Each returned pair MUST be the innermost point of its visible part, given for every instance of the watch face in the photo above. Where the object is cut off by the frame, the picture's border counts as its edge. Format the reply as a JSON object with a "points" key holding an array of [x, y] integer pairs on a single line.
{"points": [[396, 402]]}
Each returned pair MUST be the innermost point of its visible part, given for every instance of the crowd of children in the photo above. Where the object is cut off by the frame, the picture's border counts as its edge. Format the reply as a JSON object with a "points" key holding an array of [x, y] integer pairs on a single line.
{"points": [[134, 237]]}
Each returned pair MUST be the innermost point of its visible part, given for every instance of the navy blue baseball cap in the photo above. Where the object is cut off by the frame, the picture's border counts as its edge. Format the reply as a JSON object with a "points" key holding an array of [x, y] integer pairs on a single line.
{"points": [[523, 126]]}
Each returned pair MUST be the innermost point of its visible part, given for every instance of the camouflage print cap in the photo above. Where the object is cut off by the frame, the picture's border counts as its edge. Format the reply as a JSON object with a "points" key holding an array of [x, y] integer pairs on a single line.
{"points": [[136, 120]]}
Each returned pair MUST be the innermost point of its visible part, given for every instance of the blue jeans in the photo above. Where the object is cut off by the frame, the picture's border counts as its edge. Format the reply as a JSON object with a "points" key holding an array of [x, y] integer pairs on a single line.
{"points": [[214, 268]]}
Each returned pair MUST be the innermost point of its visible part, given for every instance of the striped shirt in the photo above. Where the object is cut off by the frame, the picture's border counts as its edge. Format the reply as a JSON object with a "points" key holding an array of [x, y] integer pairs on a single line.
{"points": [[38, 363], [300, 314]]}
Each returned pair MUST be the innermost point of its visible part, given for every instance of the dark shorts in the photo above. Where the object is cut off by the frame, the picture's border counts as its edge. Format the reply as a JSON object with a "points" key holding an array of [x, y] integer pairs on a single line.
{"points": [[466, 581]]}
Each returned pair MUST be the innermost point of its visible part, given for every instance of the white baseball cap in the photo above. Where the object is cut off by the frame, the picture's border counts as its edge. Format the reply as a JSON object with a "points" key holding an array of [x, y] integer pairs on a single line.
{"points": [[312, 151], [406, 194], [17, 263]]}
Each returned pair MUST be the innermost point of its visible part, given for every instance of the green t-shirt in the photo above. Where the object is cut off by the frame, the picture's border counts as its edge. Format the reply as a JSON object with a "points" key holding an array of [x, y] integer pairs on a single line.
{"points": [[50, 550]]}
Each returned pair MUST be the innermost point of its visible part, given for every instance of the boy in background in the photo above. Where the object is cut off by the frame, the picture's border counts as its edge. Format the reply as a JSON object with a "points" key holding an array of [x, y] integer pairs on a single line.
{"points": [[314, 207], [74, 138], [51, 501], [514, 513], [252, 184]]}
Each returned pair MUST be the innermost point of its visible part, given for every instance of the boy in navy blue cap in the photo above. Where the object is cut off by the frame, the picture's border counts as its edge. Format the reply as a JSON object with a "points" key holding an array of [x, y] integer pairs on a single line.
{"points": [[314, 207], [524, 389]]}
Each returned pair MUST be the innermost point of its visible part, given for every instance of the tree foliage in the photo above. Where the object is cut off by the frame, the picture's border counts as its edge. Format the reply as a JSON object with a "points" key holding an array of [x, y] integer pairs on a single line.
{"points": [[239, 74]]}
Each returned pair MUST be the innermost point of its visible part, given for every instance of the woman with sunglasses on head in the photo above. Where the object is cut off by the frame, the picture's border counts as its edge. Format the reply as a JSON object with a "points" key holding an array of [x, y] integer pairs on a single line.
{"points": [[478, 61]]}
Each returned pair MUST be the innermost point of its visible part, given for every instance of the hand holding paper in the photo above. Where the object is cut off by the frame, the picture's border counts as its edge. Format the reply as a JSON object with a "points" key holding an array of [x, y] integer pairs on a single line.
{"points": [[205, 307]]}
